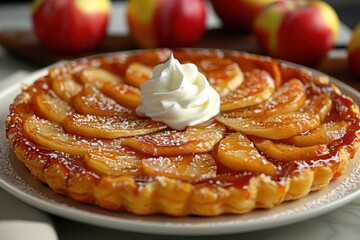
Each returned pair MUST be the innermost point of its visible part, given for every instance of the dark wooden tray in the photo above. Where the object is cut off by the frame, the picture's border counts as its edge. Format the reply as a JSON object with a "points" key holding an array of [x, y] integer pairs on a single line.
{"points": [[23, 45]]}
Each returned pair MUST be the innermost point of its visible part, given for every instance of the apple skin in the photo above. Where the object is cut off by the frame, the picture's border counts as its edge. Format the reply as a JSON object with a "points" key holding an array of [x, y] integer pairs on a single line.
{"points": [[166, 23], [354, 52], [70, 26], [297, 31], [239, 15]]}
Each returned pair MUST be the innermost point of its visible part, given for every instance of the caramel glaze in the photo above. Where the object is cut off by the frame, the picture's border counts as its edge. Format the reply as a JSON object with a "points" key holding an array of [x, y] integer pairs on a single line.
{"points": [[117, 63]]}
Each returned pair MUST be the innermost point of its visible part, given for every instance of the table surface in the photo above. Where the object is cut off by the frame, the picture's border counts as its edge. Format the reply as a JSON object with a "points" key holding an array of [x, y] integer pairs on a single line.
{"points": [[343, 223]]}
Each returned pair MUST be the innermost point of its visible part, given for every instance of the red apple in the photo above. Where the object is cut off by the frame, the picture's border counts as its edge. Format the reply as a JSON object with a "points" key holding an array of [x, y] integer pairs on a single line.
{"points": [[354, 51], [70, 25], [239, 14], [166, 23], [297, 31]]}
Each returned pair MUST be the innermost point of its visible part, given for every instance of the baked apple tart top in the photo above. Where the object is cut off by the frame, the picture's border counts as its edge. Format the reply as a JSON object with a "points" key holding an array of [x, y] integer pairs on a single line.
{"points": [[90, 130]]}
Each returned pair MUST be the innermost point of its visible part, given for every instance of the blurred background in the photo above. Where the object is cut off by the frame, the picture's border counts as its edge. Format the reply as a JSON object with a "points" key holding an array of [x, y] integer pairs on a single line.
{"points": [[348, 10], [19, 42]]}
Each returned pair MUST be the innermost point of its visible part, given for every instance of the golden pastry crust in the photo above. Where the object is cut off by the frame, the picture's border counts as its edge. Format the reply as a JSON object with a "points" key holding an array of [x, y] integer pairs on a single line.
{"points": [[282, 133]]}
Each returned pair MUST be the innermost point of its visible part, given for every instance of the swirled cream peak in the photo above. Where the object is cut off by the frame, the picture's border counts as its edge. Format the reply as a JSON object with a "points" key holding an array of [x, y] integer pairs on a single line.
{"points": [[178, 95]]}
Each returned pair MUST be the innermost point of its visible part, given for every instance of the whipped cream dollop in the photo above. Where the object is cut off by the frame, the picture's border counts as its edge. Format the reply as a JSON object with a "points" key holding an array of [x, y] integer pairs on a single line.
{"points": [[178, 95]]}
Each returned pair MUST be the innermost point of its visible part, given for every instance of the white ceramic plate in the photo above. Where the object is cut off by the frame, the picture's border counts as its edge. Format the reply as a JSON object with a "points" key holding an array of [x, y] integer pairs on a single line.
{"points": [[16, 179]]}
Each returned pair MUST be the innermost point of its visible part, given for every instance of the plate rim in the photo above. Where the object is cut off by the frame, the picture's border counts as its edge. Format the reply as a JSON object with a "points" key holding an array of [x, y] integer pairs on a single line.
{"points": [[172, 229], [168, 228]]}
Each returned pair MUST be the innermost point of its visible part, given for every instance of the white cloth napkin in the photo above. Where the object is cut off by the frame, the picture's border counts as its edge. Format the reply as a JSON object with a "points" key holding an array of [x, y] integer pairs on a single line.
{"points": [[19, 221]]}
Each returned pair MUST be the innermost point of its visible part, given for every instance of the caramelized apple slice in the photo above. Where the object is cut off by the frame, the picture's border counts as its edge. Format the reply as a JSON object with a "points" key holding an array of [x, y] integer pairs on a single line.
{"points": [[63, 83], [51, 136], [258, 87], [288, 98], [238, 153], [124, 95], [278, 126], [285, 153], [197, 139], [324, 134], [223, 74], [185, 167], [109, 127], [49, 106], [318, 104], [249, 62], [92, 101], [137, 73], [98, 76], [113, 163]]}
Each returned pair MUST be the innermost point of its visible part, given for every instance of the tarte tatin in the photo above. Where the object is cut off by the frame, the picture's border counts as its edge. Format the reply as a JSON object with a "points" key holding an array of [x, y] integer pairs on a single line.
{"points": [[281, 133]]}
